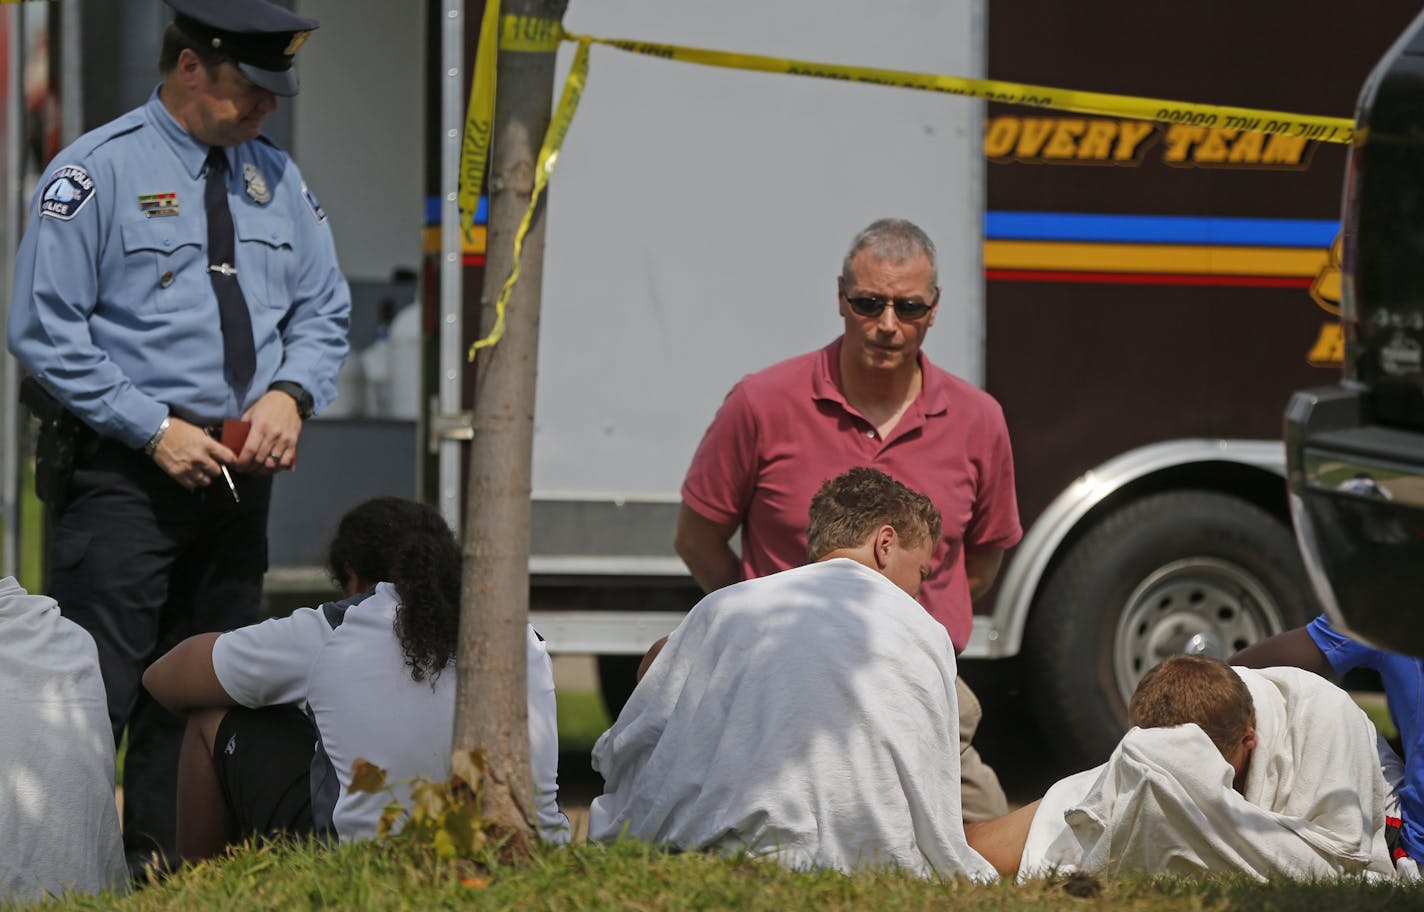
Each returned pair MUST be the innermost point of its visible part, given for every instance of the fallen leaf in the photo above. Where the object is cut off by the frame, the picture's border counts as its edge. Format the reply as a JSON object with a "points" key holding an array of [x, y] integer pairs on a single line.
{"points": [[468, 766], [366, 777]]}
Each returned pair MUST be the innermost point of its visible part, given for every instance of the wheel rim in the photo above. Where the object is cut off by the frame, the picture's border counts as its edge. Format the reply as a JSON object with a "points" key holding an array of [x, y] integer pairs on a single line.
{"points": [[1199, 605]]}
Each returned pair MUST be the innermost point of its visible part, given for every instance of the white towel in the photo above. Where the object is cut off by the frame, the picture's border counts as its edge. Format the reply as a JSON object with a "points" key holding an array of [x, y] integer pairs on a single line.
{"points": [[809, 716], [1313, 805]]}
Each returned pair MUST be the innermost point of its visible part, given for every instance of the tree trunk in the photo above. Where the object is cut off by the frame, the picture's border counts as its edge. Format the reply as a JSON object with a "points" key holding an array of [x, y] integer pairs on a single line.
{"points": [[491, 709]]}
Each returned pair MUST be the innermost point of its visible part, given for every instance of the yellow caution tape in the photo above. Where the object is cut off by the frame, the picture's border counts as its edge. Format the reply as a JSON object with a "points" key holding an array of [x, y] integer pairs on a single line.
{"points": [[527, 34], [548, 157], [530, 35], [1321, 129], [479, 119]]}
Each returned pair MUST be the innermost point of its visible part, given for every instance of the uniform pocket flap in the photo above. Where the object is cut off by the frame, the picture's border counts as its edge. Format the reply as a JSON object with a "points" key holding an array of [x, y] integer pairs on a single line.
{"points": [[163, 235], [273, 232]]}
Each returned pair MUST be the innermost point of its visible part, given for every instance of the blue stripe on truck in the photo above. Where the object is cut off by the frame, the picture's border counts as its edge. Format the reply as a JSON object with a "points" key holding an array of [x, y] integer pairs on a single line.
{"points": [[1160, 229]]}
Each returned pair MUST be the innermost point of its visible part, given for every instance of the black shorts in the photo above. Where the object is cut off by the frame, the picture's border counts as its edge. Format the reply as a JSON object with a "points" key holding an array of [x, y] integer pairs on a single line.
{"points": [[263, 760]]}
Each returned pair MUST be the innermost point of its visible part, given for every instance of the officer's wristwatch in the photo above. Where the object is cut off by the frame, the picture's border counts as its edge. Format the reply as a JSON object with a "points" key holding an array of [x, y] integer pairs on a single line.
{"points": [[305, 404]]}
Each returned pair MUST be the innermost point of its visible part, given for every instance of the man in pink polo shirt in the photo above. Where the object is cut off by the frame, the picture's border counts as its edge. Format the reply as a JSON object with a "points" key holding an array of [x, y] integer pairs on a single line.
{"points": [[869, 398]]}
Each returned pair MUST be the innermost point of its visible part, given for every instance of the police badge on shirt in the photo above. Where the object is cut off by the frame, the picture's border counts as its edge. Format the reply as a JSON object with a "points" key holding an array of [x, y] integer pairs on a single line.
{"points": [[256, 184], [66, 193]]}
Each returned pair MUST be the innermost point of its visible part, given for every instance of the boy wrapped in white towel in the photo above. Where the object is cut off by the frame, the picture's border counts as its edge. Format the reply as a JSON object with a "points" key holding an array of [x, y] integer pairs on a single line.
{"points": [[1272, 773], [808, 716]]}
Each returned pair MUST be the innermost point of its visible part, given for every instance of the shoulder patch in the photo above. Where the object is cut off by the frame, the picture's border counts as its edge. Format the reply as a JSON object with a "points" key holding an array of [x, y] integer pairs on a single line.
{"points": [[316, 209], [335, 612], [66, 193]]}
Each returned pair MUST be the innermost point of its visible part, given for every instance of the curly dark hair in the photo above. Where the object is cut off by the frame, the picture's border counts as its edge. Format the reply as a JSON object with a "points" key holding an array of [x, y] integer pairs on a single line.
{"points": [[389, 539]]}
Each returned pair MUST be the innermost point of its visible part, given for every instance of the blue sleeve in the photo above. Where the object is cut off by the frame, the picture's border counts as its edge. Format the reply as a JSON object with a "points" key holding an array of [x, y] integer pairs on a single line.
{"points": [[56, 291], [1343, 653], [314, 334]]}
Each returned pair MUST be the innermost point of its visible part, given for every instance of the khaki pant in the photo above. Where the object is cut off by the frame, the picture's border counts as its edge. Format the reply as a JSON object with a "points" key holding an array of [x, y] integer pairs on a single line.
{"points": [[980, 792]]}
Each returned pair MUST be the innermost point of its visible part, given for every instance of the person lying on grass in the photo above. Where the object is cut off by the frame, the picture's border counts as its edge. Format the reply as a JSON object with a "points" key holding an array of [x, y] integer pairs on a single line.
{"points": [[809, 715], [1271, 773], [1320, 648], [279, 712]]}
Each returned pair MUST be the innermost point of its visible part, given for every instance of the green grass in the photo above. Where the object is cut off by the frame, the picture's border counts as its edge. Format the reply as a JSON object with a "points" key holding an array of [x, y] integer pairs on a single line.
{"points": [[32, 539], [581, 720], [380, 876], [1374, 707]]}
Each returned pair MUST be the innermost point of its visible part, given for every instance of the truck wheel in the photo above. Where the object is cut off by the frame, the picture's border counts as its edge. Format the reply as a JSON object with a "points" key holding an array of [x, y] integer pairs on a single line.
{"points": [[1182, 571], [617, 676]]}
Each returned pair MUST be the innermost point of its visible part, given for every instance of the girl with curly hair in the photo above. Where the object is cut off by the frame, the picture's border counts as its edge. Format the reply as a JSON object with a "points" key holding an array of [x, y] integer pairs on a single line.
{"points": [[368, 677]]}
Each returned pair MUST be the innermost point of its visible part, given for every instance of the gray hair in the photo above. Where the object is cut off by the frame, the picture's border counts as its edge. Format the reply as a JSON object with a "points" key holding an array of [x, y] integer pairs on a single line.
{"points": [[891, 239]]}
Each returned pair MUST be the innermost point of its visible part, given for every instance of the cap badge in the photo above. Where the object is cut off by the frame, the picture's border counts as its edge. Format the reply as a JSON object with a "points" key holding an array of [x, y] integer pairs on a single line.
{"points": [[256, 184], [155, 205], [298, 39]]}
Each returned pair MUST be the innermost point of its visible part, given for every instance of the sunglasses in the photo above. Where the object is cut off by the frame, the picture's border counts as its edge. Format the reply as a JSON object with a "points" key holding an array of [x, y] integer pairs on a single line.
{"points": [[874, 306]]}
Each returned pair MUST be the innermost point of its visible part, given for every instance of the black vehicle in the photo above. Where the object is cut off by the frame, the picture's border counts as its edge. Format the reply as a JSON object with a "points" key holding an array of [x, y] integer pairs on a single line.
{"points": [[1356, 450]]}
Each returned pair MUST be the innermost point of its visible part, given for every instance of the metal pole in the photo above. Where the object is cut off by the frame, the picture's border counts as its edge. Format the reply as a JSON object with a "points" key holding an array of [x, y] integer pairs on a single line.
{"points": [[71, 70], [11, 175], [451, 262]]}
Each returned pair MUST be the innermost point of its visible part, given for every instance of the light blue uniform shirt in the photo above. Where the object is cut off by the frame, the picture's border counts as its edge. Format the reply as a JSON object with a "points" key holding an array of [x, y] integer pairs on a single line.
{"points": [[113, 309]]}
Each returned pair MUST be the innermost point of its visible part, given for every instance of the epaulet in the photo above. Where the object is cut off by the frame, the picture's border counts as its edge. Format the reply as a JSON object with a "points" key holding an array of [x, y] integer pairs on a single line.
{"points": [[86, 144], [264, 148]]}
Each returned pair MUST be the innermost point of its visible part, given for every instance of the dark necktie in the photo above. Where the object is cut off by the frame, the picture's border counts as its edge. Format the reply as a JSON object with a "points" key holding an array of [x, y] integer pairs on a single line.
{"points": [[236, 322]]}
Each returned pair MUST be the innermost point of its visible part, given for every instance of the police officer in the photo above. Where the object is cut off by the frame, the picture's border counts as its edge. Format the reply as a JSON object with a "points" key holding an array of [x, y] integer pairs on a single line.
{"points": [[176, 272]]}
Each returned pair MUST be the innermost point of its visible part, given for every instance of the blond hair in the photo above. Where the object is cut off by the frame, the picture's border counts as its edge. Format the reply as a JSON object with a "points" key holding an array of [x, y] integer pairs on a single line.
{"points": [[850, 507]]}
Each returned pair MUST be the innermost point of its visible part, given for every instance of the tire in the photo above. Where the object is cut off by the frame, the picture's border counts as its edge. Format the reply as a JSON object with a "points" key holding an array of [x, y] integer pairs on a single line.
{"points": [[1180, 571], [617, 676]]}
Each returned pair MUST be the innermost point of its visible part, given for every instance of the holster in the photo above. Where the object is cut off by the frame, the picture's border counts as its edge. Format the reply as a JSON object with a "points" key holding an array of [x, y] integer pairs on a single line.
{"points": [[61, 440]]}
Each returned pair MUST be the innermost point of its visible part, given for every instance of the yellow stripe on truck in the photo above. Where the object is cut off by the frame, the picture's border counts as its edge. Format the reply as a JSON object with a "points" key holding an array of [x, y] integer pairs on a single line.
{"points": [[1148, 258]]}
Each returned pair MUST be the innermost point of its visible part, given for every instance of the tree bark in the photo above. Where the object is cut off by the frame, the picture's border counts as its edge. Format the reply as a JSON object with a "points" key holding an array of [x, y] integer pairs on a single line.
{"points": [[491, 703]]}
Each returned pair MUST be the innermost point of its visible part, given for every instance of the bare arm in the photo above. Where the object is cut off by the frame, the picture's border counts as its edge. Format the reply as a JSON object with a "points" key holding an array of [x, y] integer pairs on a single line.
{"points": [[704, 546], [652, 653], [981, 565], [184, 680], [1001, 841], [1294, 648]]}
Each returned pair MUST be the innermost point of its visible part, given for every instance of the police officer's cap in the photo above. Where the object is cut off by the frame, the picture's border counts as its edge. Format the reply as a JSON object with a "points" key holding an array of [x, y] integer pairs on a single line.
{"points": [[261, 38]]}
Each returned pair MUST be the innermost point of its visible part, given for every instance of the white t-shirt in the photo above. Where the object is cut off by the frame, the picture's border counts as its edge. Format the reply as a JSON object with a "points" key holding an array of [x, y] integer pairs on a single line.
{"points": [[59, 827], [348, 672]]}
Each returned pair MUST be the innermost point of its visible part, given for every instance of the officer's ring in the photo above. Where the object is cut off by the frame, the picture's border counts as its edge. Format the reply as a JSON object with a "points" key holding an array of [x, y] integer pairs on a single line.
{"points": [[274, 455]]}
